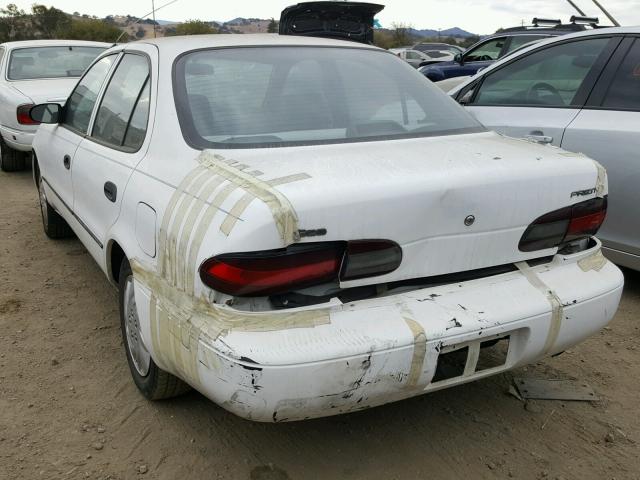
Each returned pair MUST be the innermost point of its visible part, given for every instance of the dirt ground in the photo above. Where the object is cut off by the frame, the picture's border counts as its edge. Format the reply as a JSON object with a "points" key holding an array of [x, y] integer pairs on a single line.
{"points": [[68, 408]]}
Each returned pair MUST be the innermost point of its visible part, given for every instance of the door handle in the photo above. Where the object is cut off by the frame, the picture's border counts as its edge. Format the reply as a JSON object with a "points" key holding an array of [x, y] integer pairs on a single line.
{"points": [[67, 162], [110, 191], [539, 138]]}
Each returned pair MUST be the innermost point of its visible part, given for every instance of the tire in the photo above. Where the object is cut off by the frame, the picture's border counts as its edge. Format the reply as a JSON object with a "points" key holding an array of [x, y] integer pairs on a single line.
{"points": [[153, 382], [11, 160], [54, 225]]}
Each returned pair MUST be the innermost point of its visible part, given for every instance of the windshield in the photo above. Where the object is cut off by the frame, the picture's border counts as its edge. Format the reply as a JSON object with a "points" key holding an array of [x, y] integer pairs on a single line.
{"points": [[276, 96], [50, 62]]}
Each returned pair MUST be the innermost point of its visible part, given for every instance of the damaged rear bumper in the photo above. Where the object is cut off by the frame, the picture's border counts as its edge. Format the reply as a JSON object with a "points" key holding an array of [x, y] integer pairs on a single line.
{"points": [[327, 360]]}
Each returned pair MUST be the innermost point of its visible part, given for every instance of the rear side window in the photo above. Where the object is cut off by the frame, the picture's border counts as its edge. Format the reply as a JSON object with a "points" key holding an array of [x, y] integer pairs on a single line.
{"points": [[125, 103], [519, 40], [624, 92], [83, 98], [549, 77]]}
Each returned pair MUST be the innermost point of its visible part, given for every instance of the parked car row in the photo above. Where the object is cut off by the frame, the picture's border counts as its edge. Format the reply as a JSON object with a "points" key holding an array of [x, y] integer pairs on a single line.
{"points": [[496, 46], [301, 226], [34, 72]]}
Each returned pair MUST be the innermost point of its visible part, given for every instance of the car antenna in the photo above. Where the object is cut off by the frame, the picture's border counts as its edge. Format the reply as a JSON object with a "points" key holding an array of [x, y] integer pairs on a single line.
{"points": [[152, 12]]}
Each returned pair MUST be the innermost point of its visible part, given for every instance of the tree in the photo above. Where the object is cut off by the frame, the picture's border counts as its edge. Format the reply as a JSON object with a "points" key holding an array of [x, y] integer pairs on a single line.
{"points": [[194, 27], [91, 29], [48, 21], [273, 26]]}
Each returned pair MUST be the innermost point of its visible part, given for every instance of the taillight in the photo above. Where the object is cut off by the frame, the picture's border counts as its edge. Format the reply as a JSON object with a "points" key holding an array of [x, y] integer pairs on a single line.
{"points": [[564, 225], [366, 258], [269, 272], [22, 114]]}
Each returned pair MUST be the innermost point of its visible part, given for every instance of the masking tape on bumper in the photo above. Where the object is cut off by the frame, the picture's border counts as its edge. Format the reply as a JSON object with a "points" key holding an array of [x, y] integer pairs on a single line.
{"points": [[554, 301]]}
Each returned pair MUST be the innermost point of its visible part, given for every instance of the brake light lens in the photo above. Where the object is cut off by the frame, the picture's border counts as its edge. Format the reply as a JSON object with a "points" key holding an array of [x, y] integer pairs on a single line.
{"points": [[367, 258], [22, 114], [270, 272], [564, 225]]}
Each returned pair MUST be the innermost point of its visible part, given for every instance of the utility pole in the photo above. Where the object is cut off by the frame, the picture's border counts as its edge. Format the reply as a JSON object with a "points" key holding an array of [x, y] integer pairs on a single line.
{"points": [[609, 16], [153, 8]]}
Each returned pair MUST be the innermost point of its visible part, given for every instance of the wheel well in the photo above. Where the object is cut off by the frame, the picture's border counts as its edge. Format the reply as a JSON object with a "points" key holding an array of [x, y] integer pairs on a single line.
{"points": [[115, 261]]}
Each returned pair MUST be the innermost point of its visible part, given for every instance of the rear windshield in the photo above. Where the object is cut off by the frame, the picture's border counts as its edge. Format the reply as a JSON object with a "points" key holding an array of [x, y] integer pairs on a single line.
{"points": [[50, 62], [277, 96]]}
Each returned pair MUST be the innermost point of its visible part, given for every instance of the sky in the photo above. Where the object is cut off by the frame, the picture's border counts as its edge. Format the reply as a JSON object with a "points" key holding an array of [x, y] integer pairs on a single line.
{"points": [[477, 16]]}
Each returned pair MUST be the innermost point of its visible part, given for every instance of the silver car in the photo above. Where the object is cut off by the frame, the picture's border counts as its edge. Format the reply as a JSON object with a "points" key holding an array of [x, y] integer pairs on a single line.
{"points": [[580, 92]]}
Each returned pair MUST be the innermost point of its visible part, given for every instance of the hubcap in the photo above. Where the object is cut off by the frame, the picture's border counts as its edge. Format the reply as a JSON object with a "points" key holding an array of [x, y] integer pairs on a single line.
{"points": [[43, 202], [139, 353]]}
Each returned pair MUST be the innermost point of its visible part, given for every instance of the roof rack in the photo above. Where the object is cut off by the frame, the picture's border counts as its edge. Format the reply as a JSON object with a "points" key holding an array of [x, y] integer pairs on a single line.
{"points": [[580, 20], [546, 22]]}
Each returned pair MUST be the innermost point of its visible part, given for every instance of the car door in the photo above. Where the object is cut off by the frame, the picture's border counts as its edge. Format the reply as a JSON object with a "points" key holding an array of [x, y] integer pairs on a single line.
{"points": [[608, 130], [62, 139], [107, 155], [538, 94]]}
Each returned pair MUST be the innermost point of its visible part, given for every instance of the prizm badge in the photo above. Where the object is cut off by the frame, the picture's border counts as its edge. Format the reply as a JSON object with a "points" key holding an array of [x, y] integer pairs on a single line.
{"points": [[583, 193]]}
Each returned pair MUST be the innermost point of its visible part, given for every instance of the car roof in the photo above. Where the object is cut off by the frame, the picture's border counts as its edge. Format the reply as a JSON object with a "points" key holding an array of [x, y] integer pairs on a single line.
{"points": [[54, 43], [548, 41], [175, 45]]}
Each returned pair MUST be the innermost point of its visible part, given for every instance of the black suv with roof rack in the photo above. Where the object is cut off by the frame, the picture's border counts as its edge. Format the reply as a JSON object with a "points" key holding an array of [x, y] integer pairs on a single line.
{"points": [[493, 47]]}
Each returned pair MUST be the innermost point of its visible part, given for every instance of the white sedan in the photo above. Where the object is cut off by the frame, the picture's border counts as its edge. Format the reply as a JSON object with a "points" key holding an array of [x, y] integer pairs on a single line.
{"points": [[301, 227], [35, 71]]}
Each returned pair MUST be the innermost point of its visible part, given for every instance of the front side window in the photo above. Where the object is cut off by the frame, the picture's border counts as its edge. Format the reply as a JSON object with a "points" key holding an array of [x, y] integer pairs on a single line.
{"points": [[487, 51], [50, 62], [275, 96], [83, 98], [548, 77], [624, 91], [126, 90]]}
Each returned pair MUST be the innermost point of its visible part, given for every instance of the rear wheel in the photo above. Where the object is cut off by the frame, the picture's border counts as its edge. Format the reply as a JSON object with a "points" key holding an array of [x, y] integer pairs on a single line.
{"points": [[151, 380], [54, 225], [11, 160]]}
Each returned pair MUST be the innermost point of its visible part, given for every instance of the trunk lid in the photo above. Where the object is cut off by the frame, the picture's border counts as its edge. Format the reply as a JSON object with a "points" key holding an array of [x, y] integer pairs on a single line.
{"points": [[342, 20], [54, 90], [453, 204]]}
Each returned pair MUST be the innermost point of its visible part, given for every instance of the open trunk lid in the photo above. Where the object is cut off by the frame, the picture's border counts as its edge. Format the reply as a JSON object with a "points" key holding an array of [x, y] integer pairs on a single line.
{"points": [[453, 204], [342, 20]]}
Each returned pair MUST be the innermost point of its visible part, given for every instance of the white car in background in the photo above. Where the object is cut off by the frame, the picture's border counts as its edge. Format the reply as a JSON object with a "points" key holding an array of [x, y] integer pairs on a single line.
{"points": [[418, 59], [580, 92], [35, 71], [301, 227]]}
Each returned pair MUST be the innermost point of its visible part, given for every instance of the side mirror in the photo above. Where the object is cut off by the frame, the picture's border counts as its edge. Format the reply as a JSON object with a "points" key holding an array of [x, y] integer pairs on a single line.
{"points": [[46, 113], [458, 58]]}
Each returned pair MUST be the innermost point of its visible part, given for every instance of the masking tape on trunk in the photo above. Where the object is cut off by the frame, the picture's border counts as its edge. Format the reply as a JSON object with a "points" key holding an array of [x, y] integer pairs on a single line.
{"points": [[554, 301], [601, 180], [241, 205], [283, 212]]}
